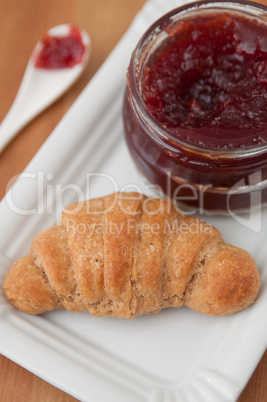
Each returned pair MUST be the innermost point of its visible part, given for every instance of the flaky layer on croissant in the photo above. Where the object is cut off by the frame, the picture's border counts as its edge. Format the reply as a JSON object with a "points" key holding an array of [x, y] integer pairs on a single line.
{"points": [[124, 255]]}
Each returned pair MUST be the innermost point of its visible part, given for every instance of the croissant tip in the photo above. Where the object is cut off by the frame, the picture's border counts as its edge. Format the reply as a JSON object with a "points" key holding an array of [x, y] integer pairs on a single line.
{"points": [[27, 289], [229, 282]]}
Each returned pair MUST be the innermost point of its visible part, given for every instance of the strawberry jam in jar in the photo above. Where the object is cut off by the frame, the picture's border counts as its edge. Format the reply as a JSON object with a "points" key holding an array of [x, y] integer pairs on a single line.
{"points": [[195, 108]]}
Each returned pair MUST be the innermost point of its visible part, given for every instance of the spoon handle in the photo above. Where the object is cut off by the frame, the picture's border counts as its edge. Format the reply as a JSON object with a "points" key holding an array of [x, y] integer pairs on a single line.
{"points": [[18, 115], [39, 88]]}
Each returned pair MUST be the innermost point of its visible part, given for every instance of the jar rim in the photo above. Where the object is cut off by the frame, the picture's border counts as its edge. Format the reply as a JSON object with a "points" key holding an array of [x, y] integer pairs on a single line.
{"points": [[134, 76]]}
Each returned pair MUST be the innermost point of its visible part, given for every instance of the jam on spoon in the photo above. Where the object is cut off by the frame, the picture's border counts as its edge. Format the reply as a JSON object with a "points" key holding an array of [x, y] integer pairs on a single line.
{"points": [[61, 51]]}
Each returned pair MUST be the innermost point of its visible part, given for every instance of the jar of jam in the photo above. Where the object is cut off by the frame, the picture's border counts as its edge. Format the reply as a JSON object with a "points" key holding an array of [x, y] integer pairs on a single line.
{"points": [[195, 108]]}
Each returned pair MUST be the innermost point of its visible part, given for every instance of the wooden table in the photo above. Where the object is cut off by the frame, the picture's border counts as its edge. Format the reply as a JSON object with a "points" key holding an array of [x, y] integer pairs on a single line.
{"points": [[21, 25]]}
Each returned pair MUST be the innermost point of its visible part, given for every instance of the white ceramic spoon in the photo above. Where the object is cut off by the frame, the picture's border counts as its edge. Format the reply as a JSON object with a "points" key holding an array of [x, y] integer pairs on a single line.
{"points": [[40, 87]]}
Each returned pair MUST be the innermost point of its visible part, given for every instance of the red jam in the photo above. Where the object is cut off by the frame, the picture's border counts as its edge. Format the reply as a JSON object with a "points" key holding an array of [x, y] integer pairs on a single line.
{"points": [[208, 84], [195, 109], [61, 52]]}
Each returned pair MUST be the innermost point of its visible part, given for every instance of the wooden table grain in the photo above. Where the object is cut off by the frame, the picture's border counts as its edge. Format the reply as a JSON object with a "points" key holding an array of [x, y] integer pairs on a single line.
{"points": [[21, 25]]}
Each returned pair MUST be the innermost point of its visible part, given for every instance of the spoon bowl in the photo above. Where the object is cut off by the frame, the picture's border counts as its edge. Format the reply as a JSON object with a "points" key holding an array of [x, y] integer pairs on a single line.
{"points": [[40, 87]]}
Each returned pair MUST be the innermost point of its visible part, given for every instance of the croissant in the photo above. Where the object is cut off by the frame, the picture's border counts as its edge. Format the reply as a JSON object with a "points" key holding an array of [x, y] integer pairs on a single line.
{"points": [[124, 255]]}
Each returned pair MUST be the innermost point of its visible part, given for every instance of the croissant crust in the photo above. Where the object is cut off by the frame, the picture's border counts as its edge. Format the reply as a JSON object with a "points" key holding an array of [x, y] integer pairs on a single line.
{"points": [[124, 255]]}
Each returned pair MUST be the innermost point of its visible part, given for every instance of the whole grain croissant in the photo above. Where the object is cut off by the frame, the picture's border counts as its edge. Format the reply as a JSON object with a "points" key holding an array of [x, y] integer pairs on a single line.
{"points": [[124, 255]]}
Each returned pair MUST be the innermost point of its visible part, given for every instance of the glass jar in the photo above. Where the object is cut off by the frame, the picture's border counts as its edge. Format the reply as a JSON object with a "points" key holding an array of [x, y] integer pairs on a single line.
{"points": [[198, 176]]}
